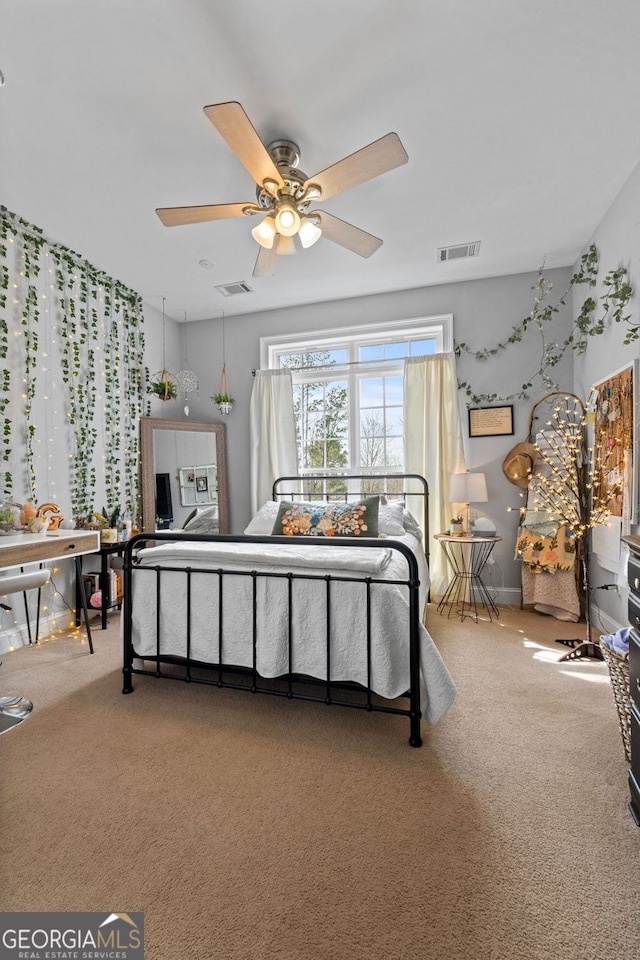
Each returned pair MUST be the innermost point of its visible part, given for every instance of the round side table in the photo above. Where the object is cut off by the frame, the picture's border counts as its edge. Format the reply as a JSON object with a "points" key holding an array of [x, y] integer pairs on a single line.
{"points": [[467, 593]]}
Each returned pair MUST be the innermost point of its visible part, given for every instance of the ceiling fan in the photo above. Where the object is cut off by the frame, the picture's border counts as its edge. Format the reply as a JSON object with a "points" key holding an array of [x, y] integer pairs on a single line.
{"points": [[284, 194]]}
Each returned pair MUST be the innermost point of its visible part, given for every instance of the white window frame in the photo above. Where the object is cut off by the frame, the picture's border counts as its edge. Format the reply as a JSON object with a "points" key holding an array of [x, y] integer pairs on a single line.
{"points": [[439, 328]]}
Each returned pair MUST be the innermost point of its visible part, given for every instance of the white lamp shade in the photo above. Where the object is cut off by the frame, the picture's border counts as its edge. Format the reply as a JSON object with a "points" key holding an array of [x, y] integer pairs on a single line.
{"points": [[287, 220], [265, 232], [309, 232], [468, 488], [286, 246]]}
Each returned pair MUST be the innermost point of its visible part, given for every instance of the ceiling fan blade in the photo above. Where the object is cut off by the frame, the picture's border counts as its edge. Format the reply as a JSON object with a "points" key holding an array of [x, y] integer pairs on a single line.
{"points": [[353, 238], [266, 261], [234, 126], [178, 216], [369, 162]]}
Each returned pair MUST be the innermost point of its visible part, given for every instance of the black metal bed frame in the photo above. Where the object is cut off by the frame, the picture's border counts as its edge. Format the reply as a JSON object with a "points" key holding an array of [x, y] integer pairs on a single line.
{"points": [[290, 685]]}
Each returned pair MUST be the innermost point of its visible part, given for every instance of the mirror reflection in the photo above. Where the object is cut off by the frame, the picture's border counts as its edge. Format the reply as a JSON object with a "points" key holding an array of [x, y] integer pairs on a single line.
{"points": [[183, 470]]}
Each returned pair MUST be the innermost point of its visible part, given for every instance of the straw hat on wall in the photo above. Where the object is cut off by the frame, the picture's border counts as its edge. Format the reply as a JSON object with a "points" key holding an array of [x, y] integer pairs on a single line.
{"points": [[520, 463]]}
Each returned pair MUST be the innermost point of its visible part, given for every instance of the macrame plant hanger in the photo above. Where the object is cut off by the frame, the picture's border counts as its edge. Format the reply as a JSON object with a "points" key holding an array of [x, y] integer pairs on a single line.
{"points": [[223, 399], [187, 379]]}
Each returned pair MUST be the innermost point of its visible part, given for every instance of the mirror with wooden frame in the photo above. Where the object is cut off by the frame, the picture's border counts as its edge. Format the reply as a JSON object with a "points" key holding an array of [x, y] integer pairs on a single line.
{"points": [[183, 469]]}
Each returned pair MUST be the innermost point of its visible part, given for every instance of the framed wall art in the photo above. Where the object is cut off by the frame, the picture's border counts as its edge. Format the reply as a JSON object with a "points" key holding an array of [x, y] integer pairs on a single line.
{"points": [[491, 421]]}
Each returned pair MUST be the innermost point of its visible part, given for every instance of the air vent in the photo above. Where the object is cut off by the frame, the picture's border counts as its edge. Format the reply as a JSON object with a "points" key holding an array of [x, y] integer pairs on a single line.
{"points": [[233, 289], [458, 252]]}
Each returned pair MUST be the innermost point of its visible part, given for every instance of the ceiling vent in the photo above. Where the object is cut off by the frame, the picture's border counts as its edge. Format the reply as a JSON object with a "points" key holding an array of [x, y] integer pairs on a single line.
{"points": [[460, 251], [233, 289]]}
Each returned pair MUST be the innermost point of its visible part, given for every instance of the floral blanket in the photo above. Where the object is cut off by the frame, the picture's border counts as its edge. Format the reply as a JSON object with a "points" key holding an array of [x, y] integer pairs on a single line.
{"points": [[546, 554]]}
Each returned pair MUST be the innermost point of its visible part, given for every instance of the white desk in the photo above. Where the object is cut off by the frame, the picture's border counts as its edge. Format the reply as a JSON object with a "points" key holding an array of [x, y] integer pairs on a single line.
{"points": [[20, 549]]}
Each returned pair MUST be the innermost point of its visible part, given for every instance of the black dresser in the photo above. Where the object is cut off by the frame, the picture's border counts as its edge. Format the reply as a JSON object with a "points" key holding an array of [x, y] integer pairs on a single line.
{"points": [[634, 672]]}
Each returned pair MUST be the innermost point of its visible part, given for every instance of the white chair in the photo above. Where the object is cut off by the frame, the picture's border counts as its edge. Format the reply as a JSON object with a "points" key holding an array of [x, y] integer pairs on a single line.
{"points": [[15, 706]]}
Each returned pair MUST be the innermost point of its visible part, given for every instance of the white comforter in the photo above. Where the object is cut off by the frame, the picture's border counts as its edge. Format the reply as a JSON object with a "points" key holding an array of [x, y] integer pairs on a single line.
{"points": [[389, 614]]}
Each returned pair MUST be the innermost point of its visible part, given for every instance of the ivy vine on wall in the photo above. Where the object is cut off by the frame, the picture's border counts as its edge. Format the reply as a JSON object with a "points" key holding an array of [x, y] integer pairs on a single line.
{"points": [[97, 325], [591, 321]]}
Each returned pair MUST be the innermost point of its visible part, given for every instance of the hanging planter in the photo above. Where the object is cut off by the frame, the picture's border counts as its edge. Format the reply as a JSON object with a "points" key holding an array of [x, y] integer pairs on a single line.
{"points": [[164, 386], [223, 399]]}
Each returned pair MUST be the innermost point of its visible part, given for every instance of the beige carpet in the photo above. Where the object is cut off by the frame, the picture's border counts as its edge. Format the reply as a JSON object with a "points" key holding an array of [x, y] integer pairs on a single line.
{"points": [[249, 827]]}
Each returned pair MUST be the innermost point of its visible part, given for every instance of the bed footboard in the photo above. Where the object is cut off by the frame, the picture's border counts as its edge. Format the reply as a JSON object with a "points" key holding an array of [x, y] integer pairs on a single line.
{"points": [[192, 616]]}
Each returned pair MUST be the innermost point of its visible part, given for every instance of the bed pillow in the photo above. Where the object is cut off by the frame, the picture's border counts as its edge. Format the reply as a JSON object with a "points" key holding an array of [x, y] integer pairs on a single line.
{"points": [[390, 518], [411, 525], [262, 523], [204, 521], [357, 519], [393, 519]]}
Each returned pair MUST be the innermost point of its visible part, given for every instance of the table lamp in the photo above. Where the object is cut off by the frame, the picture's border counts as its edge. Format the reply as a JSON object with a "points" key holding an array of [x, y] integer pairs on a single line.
{"points": [[468, 488]]}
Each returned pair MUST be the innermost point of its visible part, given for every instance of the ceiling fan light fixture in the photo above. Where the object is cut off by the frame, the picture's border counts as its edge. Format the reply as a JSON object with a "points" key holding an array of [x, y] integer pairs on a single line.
{"points": [[286, 246], [265, 232], [309, 232], [287, 220]]}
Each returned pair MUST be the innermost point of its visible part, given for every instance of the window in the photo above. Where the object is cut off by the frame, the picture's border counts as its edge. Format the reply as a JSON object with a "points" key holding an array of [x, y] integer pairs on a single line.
{"points": [[348, 388]]}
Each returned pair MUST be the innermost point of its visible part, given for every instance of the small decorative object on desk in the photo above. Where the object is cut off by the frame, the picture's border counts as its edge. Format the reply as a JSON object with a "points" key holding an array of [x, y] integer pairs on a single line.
{"points": [[51, 513], [7, 519], [27, 511], [37, 524], [455, 527], [108, 524]]}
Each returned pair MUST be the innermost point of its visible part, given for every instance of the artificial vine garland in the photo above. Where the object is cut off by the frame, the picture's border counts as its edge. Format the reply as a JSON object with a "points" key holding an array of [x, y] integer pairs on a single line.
{"points": [[617, 293], [97, 317]]}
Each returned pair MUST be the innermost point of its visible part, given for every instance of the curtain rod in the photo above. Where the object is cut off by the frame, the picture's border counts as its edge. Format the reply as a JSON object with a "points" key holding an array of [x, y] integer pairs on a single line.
{"points": [[339, 366]]}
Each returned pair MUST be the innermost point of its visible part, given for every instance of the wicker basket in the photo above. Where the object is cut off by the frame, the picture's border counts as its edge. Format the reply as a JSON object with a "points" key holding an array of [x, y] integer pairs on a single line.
{"points": [[619, 673]]}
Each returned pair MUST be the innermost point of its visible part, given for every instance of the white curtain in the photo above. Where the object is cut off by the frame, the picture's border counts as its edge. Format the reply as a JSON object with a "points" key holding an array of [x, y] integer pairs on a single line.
{"points": [[272, 433], [433, 443]]}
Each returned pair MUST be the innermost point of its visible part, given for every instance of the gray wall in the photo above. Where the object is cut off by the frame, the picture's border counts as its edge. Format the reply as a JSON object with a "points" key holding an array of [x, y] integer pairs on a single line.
{"points": [[484, 312]]}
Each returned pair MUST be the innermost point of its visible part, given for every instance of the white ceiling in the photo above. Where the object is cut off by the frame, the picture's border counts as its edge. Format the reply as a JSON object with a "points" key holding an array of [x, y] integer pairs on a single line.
{"points": [[520, 119]]}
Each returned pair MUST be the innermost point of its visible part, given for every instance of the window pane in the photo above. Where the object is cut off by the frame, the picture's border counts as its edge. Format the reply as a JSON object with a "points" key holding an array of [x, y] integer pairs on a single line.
{"points": [[313, 358], [372, 422], [370, 391], [322, 417], [422, 348], [290, 359], [395, 452], [394, 390], [372, 438], [371, 352], [336, 356], [395, 350], [395, 423]]}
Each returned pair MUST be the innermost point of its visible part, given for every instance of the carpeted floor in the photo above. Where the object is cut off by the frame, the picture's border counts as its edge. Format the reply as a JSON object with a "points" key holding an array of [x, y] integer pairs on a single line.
{"points": [[248, 828]]}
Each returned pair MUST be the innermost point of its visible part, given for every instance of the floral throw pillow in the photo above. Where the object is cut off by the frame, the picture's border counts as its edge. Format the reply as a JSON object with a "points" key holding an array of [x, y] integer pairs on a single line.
{"points": [[359, 519]]}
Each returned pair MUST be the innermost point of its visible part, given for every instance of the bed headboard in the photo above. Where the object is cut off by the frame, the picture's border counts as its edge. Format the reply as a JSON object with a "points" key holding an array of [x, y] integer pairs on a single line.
{"points": [[410, 488]]}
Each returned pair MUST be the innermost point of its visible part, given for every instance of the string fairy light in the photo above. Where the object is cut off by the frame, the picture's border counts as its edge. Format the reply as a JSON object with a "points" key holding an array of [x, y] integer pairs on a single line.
{"points": [[569, 489]]}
